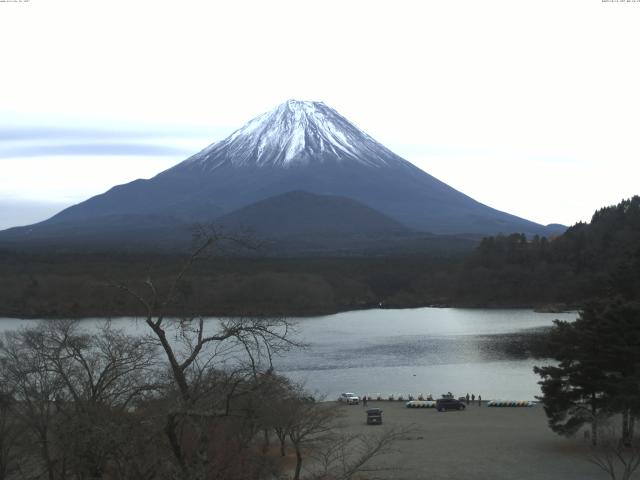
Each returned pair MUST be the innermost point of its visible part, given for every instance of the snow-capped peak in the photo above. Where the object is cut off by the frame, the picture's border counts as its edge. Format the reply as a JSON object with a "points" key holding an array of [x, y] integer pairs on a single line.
{"points": [[296, 132]]}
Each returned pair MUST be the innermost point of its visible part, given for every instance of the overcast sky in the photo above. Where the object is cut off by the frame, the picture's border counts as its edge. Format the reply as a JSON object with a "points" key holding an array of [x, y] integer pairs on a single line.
{"points": [[531, 107]]}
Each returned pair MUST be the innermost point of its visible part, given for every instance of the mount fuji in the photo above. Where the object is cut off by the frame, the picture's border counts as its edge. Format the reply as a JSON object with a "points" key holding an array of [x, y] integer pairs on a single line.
{"points": [[299, 146]]}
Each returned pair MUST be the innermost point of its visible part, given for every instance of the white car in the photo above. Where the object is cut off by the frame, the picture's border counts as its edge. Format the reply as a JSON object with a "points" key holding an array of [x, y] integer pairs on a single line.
{"points": [[349, 398]]}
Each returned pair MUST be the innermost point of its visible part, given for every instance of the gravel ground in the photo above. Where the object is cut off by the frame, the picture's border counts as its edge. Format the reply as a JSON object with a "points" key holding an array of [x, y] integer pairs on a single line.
{"points": [[478, 443]]}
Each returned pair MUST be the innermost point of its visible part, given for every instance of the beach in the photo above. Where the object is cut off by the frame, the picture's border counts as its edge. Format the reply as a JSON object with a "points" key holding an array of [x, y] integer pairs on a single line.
{"points": [[477, 443]]}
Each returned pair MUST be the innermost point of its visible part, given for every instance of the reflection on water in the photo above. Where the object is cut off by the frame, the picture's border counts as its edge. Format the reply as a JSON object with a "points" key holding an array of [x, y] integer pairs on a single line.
{"points": [[424, 350], [412, 351]]}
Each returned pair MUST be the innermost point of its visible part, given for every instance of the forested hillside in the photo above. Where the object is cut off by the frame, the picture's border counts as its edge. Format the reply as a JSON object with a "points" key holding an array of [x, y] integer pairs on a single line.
{"points": [[588, 261]]}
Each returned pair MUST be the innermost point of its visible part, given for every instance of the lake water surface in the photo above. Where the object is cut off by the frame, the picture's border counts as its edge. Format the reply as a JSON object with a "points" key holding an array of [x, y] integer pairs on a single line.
{"points": [[423, 350]]}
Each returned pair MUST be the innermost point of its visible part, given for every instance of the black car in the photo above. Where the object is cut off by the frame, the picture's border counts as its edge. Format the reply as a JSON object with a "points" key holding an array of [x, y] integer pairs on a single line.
{"points": [[374, 416], [443, 404]]}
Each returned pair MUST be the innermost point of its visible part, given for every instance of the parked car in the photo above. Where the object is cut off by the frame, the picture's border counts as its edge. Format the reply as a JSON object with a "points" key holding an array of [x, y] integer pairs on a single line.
{"points": [[374, 416], [349, 398], [443, 404]]}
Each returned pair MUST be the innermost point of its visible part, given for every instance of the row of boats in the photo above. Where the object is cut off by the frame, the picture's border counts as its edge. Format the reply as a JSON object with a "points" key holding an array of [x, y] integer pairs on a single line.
{"points": [[490, 403]]}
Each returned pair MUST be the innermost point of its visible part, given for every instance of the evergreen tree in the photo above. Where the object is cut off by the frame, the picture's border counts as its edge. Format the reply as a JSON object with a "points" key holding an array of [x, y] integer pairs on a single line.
{"points": [[598, 373], [573, 392], [621, 358]]}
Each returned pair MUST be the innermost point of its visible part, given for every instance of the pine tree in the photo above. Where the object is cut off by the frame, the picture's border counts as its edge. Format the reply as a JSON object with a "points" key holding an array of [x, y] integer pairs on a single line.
{"points": [[573, 392], [598, 373], [620, 321]]}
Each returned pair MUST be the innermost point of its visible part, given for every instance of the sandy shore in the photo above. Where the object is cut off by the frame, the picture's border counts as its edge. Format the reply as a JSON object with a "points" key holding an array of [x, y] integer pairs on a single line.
{"points": [[478, 443]]}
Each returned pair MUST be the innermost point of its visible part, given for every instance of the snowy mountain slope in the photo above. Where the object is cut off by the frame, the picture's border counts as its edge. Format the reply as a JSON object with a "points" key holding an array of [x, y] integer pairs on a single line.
{"points": [[295, 133]]}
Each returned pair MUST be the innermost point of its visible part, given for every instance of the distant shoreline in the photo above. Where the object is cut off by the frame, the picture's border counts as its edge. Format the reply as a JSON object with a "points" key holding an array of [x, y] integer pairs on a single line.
{"points": [[318, 313]]}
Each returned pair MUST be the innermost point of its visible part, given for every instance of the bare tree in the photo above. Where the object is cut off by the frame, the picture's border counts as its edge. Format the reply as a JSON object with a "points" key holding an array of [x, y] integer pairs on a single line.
{"points": [[74, 389], [104, 373], [11, 435], [310, 424], [313, 427], [193, 347], [618, 458], [282, 415], [37, 390], [107, 368], [345, 456]]}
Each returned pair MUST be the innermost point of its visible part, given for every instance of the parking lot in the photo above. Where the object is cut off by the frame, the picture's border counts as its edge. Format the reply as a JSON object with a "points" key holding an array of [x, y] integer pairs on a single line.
{"points": [[477, 443]]}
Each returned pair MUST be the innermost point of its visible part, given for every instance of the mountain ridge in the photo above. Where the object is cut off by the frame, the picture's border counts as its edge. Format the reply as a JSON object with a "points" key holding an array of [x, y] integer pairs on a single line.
{"points": [[299, 212], [299, 146]]}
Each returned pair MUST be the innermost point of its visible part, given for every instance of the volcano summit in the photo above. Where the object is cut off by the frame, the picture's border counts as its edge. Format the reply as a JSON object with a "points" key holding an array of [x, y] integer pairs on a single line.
{"points": [[297, 133], [300, 146]]}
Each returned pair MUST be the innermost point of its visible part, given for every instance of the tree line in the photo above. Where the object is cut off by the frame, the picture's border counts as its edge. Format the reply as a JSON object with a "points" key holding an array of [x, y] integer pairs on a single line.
{"points": [[590, 260]]}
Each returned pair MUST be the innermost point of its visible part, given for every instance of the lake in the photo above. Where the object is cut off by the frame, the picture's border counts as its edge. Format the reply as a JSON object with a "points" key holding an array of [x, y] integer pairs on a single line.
{"points": [[423, 350], [408, 351]]}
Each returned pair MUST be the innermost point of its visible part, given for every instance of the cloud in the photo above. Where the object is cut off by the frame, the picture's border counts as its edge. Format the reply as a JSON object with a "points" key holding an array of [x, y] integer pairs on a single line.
{"points": [[92, 149], [47, 132], [34, 132], [20, 141]]}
